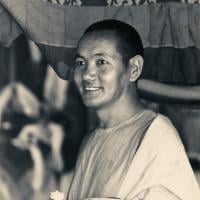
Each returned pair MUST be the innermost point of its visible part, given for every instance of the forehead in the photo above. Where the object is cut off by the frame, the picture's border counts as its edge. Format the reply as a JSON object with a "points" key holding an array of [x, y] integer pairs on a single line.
{"points": [[98, 42]]}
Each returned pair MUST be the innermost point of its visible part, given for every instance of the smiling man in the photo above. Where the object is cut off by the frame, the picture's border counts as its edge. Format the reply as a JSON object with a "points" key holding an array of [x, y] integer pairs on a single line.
{"points": [[134, 153]]}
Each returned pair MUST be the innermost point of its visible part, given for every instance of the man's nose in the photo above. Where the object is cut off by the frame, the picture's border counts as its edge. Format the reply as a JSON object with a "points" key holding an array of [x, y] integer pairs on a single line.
{"points": [[89, 73]]}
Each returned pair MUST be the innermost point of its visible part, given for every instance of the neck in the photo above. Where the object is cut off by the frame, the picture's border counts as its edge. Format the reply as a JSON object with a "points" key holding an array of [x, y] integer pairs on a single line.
{"points": [[119, 111]]}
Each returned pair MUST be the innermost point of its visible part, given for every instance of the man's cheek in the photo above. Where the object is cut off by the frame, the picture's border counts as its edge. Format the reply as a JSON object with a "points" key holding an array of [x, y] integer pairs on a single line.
{"points": [[77, 78], [79, 86]]}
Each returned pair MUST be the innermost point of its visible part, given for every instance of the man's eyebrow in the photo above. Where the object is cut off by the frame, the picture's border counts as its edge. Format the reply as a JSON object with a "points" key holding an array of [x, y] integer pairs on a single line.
{"points": [[103, 54], [99, 54], [78, 56]]}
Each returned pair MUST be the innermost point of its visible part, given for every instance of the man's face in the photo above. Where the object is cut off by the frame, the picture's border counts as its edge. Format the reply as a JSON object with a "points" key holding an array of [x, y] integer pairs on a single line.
{"points": [[100, 73]]}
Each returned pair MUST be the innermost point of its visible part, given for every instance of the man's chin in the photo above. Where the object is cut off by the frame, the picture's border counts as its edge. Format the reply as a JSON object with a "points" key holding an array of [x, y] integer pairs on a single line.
{"points": [[92, 103]]}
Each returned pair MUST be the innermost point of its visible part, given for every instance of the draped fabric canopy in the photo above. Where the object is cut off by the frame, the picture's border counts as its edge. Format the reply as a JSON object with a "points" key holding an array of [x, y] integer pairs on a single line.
{"points": [[169, 30]]}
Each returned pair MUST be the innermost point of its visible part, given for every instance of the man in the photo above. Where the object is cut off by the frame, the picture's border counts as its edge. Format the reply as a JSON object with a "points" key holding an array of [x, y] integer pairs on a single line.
{"points": [[134, 153]]}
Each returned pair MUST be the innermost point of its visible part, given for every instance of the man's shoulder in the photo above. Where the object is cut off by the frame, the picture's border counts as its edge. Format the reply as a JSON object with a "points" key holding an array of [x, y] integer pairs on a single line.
{"points": [[162, 161], [163, 122], [162, 147], [162, 127], [162, 136]]}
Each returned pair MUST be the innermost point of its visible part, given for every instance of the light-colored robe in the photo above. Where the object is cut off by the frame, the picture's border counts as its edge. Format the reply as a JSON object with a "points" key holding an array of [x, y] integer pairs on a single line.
{"points": [[136, 160]]}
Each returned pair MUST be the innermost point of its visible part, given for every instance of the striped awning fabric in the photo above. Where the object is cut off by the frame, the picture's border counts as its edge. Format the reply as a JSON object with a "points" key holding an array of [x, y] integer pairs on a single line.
{"points": [[169, 30]]}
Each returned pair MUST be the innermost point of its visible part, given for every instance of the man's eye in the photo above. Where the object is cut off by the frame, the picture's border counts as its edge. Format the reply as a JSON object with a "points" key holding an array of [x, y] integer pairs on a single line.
{"points": [[102, 62], [79, 63]]}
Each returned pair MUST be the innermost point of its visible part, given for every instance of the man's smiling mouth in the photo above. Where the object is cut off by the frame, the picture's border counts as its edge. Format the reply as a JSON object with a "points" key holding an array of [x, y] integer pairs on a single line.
{"points": [[90, 91], [91, 88]]}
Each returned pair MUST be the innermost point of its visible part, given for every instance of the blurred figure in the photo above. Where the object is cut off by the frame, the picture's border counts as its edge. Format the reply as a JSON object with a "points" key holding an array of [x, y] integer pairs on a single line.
{"points": [[48, 125], [44, 142]]}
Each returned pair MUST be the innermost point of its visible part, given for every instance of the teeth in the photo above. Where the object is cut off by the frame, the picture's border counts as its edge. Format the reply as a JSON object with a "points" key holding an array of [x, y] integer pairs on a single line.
{"points": [[91, 88]]}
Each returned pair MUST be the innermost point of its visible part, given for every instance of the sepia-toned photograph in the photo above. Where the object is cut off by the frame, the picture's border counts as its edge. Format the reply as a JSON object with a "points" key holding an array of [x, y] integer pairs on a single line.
{"points": [[99, 100]]}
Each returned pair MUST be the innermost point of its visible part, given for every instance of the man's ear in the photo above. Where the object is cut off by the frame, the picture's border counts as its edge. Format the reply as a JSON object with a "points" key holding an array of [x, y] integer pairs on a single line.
{"points": [[135, 65]]}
